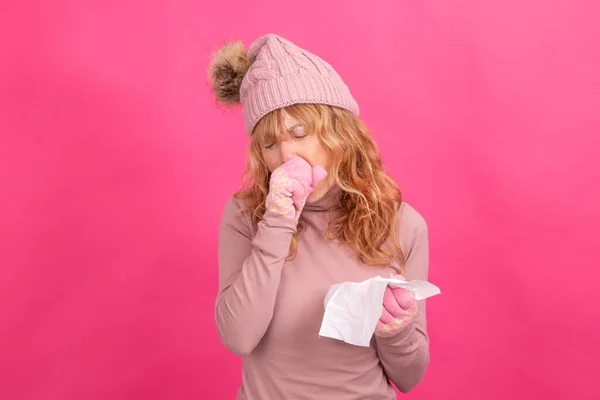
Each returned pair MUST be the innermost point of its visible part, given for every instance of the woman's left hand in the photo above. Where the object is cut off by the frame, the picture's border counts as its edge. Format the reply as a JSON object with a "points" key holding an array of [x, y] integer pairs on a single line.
{"points": [[399, 309]]}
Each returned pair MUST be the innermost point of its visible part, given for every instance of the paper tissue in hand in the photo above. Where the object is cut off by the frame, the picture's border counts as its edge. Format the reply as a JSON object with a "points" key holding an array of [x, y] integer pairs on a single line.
{"points": [[352, 309]]}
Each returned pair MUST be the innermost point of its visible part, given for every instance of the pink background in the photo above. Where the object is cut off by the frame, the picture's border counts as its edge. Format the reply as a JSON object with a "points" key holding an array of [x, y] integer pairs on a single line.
{"points": [[115, 165]]}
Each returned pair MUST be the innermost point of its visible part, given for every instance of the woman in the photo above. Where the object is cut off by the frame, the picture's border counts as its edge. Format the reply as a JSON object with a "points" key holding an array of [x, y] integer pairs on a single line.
{"points": [[318, 210]]}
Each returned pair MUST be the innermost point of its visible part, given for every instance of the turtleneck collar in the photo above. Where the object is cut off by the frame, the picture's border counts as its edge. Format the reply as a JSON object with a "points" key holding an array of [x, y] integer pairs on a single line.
{"points": [[330, 201]]}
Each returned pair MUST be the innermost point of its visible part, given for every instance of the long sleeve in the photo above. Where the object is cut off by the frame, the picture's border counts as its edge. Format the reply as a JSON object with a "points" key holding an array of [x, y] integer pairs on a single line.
{"points": [[405, 357], [249, 274]]}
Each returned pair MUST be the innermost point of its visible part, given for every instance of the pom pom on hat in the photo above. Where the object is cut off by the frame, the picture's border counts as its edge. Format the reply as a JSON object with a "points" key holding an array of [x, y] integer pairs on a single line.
{"points": [[226, 71]]}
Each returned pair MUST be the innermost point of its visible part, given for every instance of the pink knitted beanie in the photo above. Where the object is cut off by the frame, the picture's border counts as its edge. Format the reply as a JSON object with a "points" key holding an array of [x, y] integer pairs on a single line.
{"points": [[272, 74]]}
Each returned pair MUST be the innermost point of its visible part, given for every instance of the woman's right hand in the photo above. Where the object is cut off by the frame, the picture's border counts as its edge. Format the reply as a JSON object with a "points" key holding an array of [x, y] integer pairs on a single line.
{"points": [[290, 185]]}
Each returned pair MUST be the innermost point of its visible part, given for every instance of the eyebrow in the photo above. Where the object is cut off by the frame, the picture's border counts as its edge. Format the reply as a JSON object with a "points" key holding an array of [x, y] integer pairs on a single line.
{"points": [[291, 128]]}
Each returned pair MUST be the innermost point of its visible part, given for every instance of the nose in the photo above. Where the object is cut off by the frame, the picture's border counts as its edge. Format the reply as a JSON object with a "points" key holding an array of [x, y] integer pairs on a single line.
{"points": [[286, 147]]}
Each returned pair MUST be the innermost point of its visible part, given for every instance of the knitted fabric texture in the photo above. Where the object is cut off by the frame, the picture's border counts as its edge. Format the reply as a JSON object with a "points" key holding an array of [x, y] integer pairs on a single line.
{"points": [[283, 74]]}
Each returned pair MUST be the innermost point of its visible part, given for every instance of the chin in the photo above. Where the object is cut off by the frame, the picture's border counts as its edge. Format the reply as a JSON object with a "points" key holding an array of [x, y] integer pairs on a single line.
{"points": [[316, 194], [320, 191]]}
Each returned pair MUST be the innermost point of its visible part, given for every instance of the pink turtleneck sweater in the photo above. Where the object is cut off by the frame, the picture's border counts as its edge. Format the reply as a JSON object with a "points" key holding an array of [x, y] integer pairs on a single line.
{"points": [[269, 310]]}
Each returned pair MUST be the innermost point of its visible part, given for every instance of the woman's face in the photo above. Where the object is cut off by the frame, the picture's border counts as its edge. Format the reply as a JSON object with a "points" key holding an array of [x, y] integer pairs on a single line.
{"points": [[296, 141]]}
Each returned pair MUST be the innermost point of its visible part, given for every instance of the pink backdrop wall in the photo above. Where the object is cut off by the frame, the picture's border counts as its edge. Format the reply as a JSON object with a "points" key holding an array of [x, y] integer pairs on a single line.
{"points": [[115, 165]]}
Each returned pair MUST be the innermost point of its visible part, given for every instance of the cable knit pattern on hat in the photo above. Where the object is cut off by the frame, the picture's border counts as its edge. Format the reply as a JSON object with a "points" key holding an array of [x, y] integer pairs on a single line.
{"points": [[283, 74]]}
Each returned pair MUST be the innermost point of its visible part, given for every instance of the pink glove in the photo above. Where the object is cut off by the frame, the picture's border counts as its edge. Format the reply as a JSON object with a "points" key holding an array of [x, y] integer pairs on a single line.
{"points": [[399, 309], [290, 185]]}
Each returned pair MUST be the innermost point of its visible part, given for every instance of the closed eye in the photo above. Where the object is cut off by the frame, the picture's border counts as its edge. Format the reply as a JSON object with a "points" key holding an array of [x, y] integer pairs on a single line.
{"points": [[297, 131]]}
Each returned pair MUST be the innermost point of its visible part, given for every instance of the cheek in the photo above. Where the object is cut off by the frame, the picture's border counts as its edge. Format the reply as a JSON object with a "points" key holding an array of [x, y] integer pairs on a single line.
{"points": [[324, 158], [315, 153], [270, 160], [320, 156]]}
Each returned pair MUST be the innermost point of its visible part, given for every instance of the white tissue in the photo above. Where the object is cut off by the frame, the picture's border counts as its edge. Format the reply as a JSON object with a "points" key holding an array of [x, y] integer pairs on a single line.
{"points": [[352, 309]]}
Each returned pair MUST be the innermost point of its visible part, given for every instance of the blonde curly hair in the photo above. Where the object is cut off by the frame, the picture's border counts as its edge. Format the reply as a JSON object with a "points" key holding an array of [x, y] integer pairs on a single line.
{"points": [[367, 217]]}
